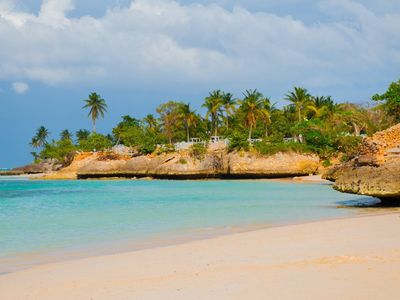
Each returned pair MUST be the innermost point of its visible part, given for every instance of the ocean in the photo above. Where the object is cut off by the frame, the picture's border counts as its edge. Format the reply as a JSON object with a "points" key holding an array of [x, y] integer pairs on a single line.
{"points": [[42, 221]]}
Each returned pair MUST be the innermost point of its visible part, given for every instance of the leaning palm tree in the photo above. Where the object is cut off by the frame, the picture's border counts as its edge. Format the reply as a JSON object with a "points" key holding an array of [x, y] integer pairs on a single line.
{"points": [[40, 139], [300, 98], [229, 105], [189, 118], [213, 103], [97, 107], [253, 108]]}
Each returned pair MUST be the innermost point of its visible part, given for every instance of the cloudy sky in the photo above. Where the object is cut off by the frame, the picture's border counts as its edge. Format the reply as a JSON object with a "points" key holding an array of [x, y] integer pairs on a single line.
{"points": [[136, 54]]}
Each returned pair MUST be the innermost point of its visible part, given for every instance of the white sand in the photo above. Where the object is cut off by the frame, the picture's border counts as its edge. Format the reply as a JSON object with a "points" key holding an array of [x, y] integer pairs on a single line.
{"points": [[355, 258]]}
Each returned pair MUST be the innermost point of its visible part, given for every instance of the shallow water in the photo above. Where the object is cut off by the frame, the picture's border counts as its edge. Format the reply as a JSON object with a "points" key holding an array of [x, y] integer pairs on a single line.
{"points": [[42, 218]]}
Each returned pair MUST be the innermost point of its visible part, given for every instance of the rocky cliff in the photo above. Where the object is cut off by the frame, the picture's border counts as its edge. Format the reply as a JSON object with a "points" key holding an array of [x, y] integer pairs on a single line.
{"points": [[216, 163], [375, 171]]}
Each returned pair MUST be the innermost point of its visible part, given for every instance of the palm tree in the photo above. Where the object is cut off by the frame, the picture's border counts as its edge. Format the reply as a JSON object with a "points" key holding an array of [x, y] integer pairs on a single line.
{"points": [[82, 134], [40, 139], [266, 113], [189, 118], [97, 107], [253, 107], [151, 122], [321, 106], [300, 98], [229, 105], [213, 103], [66, 135]]}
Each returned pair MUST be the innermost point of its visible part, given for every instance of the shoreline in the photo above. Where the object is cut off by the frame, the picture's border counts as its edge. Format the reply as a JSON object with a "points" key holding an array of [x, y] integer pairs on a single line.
{"points": [[150, 265], [98, 249]]}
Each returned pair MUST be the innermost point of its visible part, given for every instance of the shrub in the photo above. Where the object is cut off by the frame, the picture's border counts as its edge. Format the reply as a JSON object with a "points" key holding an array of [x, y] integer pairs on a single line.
{"points": [[266, 148], [60, 150], [238, 141], [95, 141], [348, 145], [198, 151], [182, 161]]}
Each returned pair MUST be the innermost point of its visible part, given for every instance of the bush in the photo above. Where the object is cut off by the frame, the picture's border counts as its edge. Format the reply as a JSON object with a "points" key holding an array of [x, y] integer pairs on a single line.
{"points": [[182, 161], [348, 145], [198, 151], [95, 142], [266, 148], [238, 141], [60, 150]]}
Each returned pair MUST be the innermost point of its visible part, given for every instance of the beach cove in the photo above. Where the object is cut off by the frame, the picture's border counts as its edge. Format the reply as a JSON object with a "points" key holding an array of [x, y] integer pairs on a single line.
{"points": [[355, 258]]}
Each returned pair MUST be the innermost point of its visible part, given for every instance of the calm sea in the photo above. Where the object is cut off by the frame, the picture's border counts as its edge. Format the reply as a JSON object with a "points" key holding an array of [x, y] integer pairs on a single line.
{"points": [[42, 221]]}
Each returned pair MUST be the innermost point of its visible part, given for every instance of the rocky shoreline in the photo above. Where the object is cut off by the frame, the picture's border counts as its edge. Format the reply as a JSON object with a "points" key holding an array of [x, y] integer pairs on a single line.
{"points": [[375, 171], [215, 163]]}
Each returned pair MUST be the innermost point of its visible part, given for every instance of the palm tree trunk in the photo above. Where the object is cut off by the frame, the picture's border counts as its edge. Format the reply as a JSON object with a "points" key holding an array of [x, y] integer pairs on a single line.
{"points": [[251, 127], [299, 114], [94, 125], [187, 133], [215, 126]]}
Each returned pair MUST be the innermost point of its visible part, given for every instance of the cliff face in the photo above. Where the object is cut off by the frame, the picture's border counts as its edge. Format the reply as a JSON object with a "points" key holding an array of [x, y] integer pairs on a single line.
{"points": [[217, 163], [376, 169]]}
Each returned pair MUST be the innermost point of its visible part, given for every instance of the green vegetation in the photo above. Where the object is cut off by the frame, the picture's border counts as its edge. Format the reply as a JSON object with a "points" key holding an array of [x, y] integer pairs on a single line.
{"points": [[198, 151], [307, 124]]}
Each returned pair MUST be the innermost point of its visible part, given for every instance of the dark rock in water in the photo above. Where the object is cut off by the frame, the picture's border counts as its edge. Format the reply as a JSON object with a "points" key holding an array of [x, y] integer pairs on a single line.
{"points": [[44, 166]]}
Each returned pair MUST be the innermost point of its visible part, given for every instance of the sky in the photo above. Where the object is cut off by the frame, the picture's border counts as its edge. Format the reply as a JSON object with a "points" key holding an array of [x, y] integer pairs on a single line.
{"points": [[137, 54]]}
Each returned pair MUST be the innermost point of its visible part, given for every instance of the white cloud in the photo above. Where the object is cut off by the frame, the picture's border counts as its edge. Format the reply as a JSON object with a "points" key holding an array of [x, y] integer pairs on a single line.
{"points": [[159, 41], [20, 87]]}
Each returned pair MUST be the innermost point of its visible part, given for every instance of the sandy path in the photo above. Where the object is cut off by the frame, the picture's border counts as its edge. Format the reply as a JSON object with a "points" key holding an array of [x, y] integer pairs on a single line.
{"points": [[355, 258]]}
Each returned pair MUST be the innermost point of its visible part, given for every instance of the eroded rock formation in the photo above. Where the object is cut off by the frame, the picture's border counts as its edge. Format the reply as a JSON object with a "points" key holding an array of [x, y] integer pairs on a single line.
{"points": [[376, 169], [216, 163]]}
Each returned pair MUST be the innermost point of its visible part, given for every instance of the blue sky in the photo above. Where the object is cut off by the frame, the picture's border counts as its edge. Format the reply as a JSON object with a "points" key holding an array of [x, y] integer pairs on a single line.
{"points": [[137, 54]]}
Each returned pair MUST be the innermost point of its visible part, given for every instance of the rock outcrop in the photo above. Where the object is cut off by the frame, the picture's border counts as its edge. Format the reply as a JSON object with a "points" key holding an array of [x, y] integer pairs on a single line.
{"points": [[375, 171], [279, 165], [216, 163], [378, 181], [44, 166]]}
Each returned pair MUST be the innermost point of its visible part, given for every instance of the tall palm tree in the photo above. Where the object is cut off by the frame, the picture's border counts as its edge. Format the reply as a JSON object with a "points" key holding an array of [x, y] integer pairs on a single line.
{"points": [[97, 107], [213, 103], [300, 98], [253, 108], [229, 105], [266, 113], [40, 139], [189, 118]]}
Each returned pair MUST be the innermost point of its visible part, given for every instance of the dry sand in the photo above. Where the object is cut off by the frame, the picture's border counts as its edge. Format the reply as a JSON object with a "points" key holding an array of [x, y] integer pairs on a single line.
{"points": [[356, 258]]}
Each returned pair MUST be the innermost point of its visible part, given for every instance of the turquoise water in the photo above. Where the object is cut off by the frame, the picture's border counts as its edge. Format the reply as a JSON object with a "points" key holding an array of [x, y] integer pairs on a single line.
{"points": [[39, 218]]}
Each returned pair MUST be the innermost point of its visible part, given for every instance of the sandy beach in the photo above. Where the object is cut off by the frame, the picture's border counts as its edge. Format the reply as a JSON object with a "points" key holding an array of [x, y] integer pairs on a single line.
{"points": [[355, 258]]}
